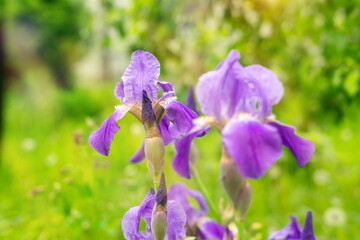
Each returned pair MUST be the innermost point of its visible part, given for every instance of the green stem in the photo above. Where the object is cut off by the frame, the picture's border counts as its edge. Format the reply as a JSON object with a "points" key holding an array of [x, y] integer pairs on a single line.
{"points": [[241, 227], [203, 189]]}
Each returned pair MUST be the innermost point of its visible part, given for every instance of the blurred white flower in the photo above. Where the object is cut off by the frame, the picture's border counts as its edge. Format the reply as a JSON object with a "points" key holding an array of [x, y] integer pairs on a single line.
{"points": [[321, 177], [136, 129], [51, 159], [28, 144], [335, 217]]}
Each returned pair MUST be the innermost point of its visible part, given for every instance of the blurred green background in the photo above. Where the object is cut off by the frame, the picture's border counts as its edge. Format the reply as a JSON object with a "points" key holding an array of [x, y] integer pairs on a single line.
{"points": [[61, 59]]}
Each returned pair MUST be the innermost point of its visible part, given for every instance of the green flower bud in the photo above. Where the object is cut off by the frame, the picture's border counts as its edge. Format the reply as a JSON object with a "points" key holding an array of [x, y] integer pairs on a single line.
{"points": [[244, 200], [159, 221], [155, 153]]}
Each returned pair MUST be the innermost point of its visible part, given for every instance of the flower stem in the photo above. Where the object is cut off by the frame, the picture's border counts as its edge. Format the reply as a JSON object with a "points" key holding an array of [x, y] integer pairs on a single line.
{"points": [[203, 189], [240, 223]]}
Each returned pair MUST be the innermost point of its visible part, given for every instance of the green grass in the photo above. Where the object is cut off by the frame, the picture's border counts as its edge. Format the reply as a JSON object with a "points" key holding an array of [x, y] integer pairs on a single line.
{"points": [[60, 188]]}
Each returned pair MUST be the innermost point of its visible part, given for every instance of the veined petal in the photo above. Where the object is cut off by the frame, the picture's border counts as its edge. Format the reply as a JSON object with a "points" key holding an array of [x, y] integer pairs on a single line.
{"points": [[168, 131], [180, 193], [180, 116], [139, 155], [254, 146], [167, 88], [142, 74], [302, 148], [101, 139], [180, 161], [268, 81], [212, 230], [176, 221], [290, 232]]}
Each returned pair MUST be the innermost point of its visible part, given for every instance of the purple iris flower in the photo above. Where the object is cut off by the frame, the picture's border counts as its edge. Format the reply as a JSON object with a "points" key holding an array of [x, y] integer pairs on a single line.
{"points": [[142, 75], [195, 218], [131, 220], [238, 101], [293, 231]]}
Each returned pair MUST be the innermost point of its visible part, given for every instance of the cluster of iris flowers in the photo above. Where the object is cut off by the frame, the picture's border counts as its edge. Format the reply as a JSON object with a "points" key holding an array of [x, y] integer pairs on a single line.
{"points": [[237, 101]]}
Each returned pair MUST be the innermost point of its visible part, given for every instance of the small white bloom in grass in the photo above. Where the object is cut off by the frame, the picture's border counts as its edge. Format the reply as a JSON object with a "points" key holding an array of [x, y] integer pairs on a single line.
{"points": [[28, 144], [136, 129], [335, 217], [321, 177], [51, 159]]}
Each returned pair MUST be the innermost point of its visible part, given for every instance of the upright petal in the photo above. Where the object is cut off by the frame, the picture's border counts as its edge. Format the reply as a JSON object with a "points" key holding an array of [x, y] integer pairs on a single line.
{"points": [[302, 148], [212, 230], [139, 155], [254, 146], [268, 81], [176, 221], [290, 232], [231, 89], [180, 116], [167, 88], [308, 230], [180, 193], [180, 161], [101, 139], [142, 74]]}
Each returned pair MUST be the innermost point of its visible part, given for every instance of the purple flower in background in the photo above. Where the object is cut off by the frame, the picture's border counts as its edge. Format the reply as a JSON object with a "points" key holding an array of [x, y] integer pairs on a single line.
{"points": [[142, 75], [212, 230], [293, 231], [238, 101], [131, 220], [180, 193]]}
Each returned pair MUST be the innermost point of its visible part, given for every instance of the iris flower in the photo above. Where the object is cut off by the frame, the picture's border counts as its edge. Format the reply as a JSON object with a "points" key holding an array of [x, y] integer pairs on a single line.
{"points": [[142, 75], [293, 231], [131, 221], [238, 101], [196, 221]]}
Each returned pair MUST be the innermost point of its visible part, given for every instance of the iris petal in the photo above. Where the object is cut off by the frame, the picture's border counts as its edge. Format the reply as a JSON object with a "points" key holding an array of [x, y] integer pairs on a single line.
{"points": [[302, 148], [101, 139], [254, 146]]}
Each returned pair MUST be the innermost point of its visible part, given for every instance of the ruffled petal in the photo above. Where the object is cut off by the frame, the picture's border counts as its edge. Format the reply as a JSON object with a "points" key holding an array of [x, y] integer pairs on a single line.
{"points": [[180, 161], [167, 88], [212, 230], [146, 208], [180, 193], [180, 116], [302, 148], [231, 89], [176, 221], [268, 81], [290, 232], [101, 139], [130, 229], [308, 231], [254, 146], [142, 74], [139, 155]]}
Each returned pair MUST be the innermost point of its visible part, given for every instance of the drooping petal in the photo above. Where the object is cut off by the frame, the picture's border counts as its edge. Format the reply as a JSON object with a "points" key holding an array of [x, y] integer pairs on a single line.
{"points": [[268, 81], [142, 74], [130, 229], [167, 88], [308, 230], [302, 148], [231, 89], [289, 232], [180, 116], [190, 100], [139, 155], [254, 146], [101, 139], [176, 221], [212, 230], [180, 193], [180, 161]]}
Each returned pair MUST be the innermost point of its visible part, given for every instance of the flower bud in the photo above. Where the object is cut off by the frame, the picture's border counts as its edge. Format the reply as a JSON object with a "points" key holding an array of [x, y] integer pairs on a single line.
{"points": [[155, 152], [159, 221], [237, 188], [148, 118]]}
